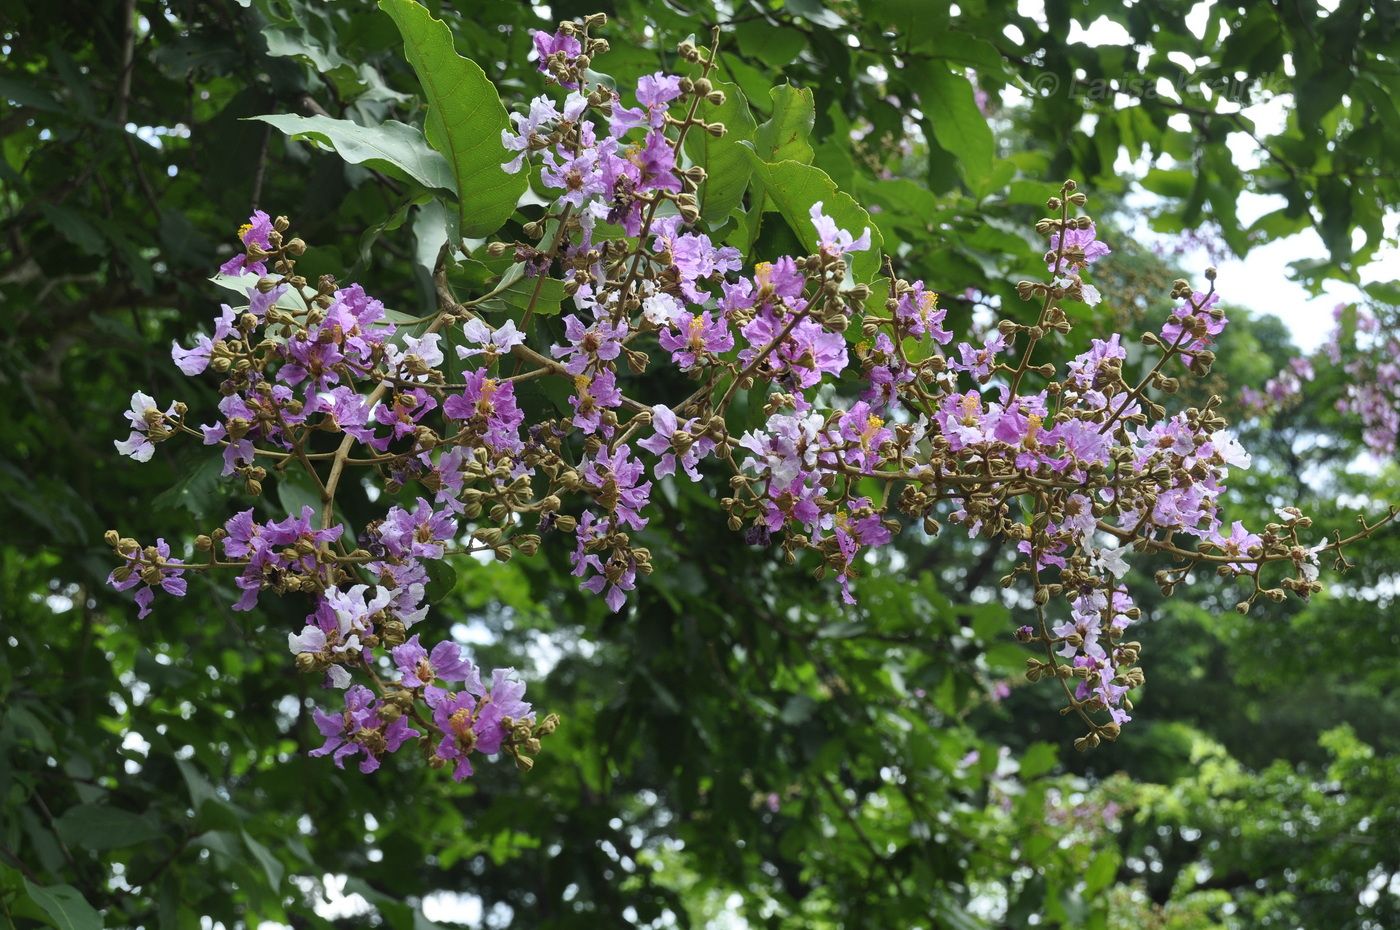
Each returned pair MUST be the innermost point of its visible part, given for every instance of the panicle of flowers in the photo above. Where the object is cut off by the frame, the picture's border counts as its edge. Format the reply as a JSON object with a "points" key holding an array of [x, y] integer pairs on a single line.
{"points": [[877, 418], [1366, 340]]}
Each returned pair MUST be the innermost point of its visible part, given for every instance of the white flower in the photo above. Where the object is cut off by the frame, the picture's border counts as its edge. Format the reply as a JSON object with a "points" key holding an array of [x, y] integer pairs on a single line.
{"points": [[311, 639], [1112, 560], [423, 348], [1308, 566], [661, 309], [832, 239], [1230, 450], [138, 445], [487, 341]]}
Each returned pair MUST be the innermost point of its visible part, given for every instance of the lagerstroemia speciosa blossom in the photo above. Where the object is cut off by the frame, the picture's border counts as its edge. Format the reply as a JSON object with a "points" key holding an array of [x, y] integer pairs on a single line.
{"points": [[1365, 344], [1079, 471]]}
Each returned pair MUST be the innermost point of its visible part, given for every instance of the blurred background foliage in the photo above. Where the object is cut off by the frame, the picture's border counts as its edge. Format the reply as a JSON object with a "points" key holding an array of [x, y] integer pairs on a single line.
{"points": [[738, 749]]}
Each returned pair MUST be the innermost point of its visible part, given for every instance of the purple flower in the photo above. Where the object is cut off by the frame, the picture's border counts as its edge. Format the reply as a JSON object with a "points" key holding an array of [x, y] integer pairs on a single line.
{"points": [[257, 231], [798, 501], [918, 310], [655, 92], [834, 241], [150, 568], [505, 701], [271, 550], [1200, 309], [579, 176], [859, 436], [589, 345], [1084, 370], [548, 45], [612, 580], [854, 532], [195, 361], [696, 259], [962, 420], [488, 405], [979, 362], [420, 668], [657, 163], [1079, 248], [402, 415], [360, 730], [474, 720], [686, 448], [777, 280], [804, 355], [593, 395], [615, 478], [419, 533], [345, 411], [695, 336], [1238, 543]]}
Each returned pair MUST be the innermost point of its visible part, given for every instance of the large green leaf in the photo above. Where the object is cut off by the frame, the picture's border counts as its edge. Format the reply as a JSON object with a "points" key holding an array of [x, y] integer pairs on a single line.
{"points": [[787, 133], [99, 826], [464, 121], [392, 148], [784, 136], [725, 160], [65, 905], [272, 868], [793, 187], [958, 125]]}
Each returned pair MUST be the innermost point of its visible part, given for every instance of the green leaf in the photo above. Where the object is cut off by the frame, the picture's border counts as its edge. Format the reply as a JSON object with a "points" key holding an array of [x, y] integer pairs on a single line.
{"points": [[391, 148], [794, 187], [776, 46], [430, 231], [787, 133], [1038, 759], [266, 859], [784, 136], [442, 578], [951, 107], [199, 787], [74, 227], [240, 284], [725, 160], [464, 121], [1006, 657], [515, 298], [66, 907], [1101, 871], [196, 490], [99, 826]]}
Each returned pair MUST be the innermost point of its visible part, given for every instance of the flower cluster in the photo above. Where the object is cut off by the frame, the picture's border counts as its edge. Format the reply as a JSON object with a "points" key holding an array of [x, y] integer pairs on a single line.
{"points": [[1280, 392], [1074, 467], [1373, 388], [1365, 346]]}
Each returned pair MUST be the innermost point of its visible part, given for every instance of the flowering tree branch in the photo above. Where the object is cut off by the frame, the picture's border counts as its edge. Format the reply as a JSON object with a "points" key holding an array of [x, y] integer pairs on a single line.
{"points": [[871, 427]]}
